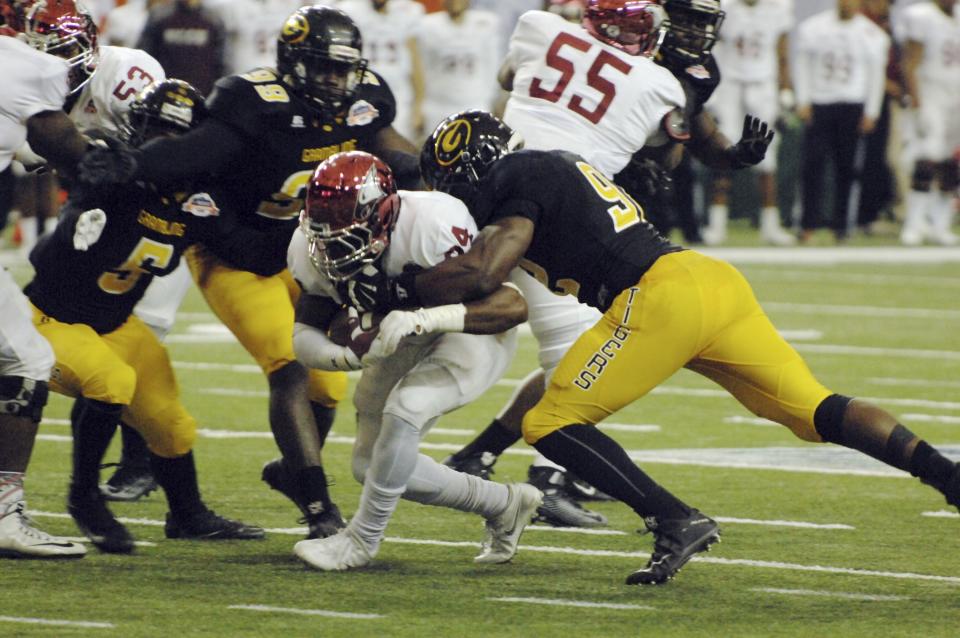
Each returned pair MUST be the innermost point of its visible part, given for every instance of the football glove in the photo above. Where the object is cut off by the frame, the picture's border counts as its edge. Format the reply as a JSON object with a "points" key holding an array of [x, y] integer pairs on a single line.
{"points": [[371, 289], [752, 147], [107, 162]]}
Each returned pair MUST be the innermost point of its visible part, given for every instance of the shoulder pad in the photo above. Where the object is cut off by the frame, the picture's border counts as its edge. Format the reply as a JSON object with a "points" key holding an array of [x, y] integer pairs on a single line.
{"points": [[676, 125]]}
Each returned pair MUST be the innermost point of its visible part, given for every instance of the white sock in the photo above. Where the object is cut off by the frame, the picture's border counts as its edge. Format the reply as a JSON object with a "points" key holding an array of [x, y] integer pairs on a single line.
{"points": [[919, 209], [542, 461], [391, 465], [943, 213], [11, 490], [433, 483]]}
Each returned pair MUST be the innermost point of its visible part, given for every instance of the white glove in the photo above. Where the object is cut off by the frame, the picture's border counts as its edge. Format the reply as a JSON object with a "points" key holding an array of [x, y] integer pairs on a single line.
{"points": [[89, 228], [394, 327]]}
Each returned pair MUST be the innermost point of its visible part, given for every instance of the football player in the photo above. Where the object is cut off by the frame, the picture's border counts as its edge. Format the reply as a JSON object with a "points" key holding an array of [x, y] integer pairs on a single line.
{"points": [[267, 131], [931, 65], [663, 308], [104, 81], [659, 110], [355, 218], [31, 108], [89, 275]]}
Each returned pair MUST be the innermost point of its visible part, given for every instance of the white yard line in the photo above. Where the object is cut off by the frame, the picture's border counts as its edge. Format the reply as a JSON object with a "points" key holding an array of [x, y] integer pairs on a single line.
{"points": [[628, 427], [833, 277], [246, 368], [830, 594], [935, 418], [86, 624], [889, 255], [863, 351], [775, 523], [610, 553], [921, 383], [308, 612], [942, 514], [751, 420], [556, 602], [861, 311]]}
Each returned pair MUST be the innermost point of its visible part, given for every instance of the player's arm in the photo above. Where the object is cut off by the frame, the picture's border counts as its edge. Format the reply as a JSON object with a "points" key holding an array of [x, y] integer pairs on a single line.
{"points": [[784, 79], [506, 74], [417, 82], [712, 147], [912, 56], [52, 135], [311, 344], [400, 154], [205, 150]]}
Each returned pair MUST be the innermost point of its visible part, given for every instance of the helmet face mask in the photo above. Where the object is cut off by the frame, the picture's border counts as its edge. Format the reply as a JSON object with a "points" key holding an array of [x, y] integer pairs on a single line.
{"points": [[634, 26], [694, 28], [461, 150], [169, 107], [319, 55], [351, 208], [65, 29]]}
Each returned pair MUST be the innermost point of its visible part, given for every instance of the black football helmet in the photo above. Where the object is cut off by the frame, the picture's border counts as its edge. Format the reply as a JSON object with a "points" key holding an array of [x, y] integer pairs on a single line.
{"points": [[694, 28], [319, 56], [461, 150], [163, 108]]}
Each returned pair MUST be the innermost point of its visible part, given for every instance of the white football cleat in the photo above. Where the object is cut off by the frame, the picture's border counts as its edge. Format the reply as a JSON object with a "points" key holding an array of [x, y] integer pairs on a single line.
{"points": [[503, 531], [20, 539], [344, 550]]}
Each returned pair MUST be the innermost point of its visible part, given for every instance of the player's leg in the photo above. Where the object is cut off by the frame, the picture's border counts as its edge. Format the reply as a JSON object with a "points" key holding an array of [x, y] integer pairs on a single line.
{"points": [[727, 106], [259, 312], [133, 478], [817, 141], [25, 362], [944, 207], [762, 101], [846, 140], [649, 332], [159, 416], [103, 384], [753, 362]]}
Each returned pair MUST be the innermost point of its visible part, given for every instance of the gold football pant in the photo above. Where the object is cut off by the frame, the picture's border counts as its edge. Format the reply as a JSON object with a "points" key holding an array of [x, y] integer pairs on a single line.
{"points": [[259, 312], [129, 367], [688, 310]]}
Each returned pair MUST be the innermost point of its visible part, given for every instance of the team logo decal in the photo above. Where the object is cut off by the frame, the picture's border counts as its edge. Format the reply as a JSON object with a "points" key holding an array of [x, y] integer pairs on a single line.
{"points": [[201, 205], [452, 141], [698, 71], [295, 29], [361, 113]]}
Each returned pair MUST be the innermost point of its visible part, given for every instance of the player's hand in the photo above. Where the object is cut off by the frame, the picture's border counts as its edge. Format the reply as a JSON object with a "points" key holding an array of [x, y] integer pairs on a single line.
{"points": [[394, 327], [371, 289], [363, 331], [752, 147], [107, 163]]}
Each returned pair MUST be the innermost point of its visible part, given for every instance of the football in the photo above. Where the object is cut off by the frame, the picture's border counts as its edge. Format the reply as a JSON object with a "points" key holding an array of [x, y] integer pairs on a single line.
{"points": [[358, 332]]}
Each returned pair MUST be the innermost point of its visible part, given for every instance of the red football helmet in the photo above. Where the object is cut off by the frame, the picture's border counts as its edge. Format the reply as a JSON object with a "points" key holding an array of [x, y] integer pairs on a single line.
{"points": [[351, 208], [64, 28], [635, 26]]}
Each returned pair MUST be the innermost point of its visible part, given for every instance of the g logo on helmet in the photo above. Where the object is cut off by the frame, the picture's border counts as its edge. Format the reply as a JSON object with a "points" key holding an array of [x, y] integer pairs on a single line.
{"points": [[452, 141], [295, 29]]}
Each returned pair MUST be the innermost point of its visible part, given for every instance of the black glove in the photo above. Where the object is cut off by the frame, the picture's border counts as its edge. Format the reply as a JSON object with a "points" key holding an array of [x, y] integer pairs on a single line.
{"points": [[645, 180], [371, 289], [752, 147], [107, 162]]}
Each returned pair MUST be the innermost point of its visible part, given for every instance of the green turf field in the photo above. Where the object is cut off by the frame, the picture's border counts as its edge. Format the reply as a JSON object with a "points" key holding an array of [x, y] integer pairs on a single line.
{"points": [[815, 543]]}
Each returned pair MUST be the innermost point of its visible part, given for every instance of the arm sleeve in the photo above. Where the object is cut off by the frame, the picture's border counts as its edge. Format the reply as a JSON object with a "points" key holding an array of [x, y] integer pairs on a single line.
{"points": [[314, 349], [206, 150]]}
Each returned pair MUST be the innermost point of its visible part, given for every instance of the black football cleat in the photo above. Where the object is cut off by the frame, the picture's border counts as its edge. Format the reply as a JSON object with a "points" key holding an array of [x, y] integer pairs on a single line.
{"points": [[91, 514], [129, 483], [675, 542], [323, 521], [950, 489], [208, 526], [558, 508], [480, 464]]}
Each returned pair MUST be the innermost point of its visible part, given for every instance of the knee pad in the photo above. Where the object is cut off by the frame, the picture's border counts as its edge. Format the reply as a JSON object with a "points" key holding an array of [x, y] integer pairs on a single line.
{"points": [[23, 397], [950, 175], [828, 418], [327, 388], [924, 172]]}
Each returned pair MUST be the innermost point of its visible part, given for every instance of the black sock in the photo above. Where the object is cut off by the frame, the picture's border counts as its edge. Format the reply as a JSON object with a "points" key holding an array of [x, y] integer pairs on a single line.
{"points": [[178, 478], [494, 439], [312, 482], [135, 452], [600, 461], [93, 423], [931, 466], [324, 417]]}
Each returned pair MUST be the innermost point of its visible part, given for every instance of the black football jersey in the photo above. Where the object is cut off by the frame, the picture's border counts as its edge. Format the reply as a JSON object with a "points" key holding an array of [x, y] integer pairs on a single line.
{"points": [[591, 239], [286, 139], [145, 234], [699, 81]]}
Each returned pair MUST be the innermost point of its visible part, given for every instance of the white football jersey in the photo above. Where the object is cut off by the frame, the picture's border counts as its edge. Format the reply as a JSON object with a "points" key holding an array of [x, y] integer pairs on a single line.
{"points": [[121, 74], [124, 24], [575, 93], [252, 30], [431, 227], [460, 63], [33, 82], [746, 50], [939, 33]]}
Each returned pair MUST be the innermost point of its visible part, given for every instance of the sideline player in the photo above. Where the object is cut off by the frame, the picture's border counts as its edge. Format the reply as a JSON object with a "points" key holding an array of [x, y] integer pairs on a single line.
{"points": [[664, 308], [266, 132], [89, 274], [31, 108], [355, 218]]}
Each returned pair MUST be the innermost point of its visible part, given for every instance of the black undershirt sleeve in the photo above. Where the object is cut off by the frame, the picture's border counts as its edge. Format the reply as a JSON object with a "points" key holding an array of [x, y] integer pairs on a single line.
{"points": [[206, 150]]}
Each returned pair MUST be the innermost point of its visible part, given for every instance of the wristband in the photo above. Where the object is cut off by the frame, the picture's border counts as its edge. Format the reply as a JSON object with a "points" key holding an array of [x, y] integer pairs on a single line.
{"points": [[450, 318]]}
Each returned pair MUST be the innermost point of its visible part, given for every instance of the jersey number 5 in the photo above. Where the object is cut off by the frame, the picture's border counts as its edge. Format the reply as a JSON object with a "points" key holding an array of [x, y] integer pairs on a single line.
{"points": [[605, 87], [148, 257]]}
